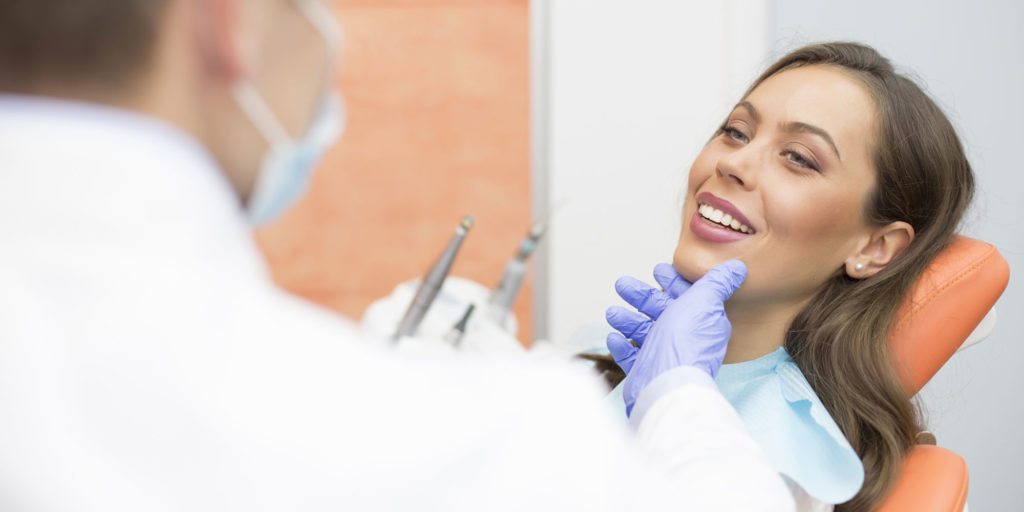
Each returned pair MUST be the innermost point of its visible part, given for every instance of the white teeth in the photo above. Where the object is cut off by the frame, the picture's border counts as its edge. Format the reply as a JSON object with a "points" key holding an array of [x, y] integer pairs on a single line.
{"points": [[719, 217]]}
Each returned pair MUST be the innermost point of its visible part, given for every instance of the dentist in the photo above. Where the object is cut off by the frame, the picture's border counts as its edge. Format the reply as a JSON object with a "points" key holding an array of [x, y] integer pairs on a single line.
{"points": [[148, 362]]}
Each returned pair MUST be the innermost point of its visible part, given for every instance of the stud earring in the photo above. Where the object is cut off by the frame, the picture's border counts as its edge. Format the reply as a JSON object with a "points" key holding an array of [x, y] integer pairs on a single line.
{"points": [[858, 267]]}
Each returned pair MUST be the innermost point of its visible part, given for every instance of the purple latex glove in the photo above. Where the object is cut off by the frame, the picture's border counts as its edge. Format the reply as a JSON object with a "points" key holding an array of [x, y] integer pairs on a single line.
{"points": [[649, 301], [690, 329]]}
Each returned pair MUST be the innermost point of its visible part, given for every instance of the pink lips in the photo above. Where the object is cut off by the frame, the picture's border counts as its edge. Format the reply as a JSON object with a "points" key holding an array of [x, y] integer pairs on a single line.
{"points": [[713, 232]]}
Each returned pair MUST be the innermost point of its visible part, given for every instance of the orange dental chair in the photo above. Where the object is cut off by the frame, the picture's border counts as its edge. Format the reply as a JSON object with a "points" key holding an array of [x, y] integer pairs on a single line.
{"points": [[949, 308]]}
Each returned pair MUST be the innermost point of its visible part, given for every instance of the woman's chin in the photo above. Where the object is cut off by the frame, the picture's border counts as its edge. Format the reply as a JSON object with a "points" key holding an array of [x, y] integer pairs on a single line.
{"points": [[694, 257], [692, 266]]}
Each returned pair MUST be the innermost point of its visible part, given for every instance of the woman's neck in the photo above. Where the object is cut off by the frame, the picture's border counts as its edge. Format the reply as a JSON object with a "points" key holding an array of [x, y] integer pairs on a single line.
{"points": [[758, 329]]}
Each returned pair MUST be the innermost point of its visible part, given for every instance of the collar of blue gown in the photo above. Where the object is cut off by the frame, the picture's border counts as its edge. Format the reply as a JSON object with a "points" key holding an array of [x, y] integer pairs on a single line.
{"points": [[786, 418]]}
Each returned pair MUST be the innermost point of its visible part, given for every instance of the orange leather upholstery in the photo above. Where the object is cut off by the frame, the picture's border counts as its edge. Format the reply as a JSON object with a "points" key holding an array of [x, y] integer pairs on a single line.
{"points": [[946, 304], [934, 479]]}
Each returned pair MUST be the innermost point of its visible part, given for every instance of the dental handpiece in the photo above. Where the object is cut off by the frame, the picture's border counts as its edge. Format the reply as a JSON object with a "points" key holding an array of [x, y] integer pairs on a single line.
{"points": [[504, 297], [455, 335], [432, 283]]}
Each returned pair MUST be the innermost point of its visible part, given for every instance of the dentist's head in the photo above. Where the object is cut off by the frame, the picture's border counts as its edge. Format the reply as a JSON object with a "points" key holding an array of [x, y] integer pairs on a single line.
{"points": [[252, 80]]}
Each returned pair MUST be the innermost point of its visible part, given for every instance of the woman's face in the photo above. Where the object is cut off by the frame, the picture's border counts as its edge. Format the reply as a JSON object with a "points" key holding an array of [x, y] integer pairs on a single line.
{"points": [[789, 172]]}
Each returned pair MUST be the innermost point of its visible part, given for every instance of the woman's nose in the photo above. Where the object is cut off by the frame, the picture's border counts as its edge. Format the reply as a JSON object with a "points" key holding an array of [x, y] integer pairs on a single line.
{"points": [[740, 167]]}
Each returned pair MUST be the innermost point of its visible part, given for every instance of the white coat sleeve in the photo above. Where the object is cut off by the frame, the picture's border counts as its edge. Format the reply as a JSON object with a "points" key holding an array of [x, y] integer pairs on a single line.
{"points": [[688, 430]]}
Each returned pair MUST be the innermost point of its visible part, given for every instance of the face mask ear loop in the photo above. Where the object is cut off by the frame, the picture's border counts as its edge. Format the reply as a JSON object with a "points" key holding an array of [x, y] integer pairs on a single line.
{"points": [[323, 20], [325, 23], [259, 113]]}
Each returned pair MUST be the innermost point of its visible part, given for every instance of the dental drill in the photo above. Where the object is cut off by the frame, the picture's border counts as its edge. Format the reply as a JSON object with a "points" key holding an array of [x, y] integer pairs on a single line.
{"points": [[455, 335], [432, 283], [504, 296]]}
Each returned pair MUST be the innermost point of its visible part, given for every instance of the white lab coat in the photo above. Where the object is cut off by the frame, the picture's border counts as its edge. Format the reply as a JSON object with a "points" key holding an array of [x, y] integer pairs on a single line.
{"points": [[147, 362]]}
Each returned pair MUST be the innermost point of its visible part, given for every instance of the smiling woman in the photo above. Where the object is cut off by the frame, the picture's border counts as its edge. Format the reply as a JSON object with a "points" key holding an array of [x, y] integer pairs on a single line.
{"points": [[836, 181], [850, 180]]}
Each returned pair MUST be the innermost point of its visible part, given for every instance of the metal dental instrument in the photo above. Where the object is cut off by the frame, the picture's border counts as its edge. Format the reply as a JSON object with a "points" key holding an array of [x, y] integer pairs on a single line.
{"points": [[455, 335], [504, 296], [431, 285]]}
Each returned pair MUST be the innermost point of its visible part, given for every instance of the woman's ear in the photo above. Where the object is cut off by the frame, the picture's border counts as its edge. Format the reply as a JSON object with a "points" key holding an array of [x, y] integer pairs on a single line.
{"points": [[879, 250], [216, 25]]}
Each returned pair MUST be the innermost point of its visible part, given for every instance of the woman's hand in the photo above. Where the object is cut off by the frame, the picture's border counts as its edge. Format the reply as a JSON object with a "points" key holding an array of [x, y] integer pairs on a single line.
{"points": [[684, 325]]}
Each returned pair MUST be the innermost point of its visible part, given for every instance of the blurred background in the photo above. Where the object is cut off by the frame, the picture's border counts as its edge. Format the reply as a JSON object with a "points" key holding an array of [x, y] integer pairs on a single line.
{"points": [[508, 109], [438, 94]]}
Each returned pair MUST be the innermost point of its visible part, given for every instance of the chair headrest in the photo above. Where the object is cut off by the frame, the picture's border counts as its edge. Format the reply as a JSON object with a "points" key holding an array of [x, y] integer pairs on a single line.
{"points": [[948, 301]]}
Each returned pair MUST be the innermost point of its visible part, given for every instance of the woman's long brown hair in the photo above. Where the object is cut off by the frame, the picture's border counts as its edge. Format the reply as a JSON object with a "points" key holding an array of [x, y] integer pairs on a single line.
{"points": [[840, 339]]}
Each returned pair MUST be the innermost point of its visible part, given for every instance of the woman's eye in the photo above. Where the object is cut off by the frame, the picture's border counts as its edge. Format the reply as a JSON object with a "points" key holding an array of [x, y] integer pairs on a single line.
{"points": [[797, 159], [734, 134]]}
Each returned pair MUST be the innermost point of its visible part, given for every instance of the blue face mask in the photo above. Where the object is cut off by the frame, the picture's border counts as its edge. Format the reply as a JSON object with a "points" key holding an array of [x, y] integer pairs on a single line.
{"points": [[288, 164], [287, 167]]}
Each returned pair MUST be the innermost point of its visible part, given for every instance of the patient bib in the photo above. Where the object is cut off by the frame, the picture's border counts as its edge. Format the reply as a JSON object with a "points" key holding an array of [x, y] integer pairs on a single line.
{"points": [[785, 417]]}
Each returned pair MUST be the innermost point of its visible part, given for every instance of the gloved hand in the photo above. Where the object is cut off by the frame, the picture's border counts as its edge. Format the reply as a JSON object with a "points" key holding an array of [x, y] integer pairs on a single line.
{"points": [[649, 301], [689, 326]]}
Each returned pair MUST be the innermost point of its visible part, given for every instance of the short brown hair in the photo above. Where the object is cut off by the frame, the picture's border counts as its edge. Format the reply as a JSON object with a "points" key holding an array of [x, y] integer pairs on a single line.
{"points": [[71, 43]]}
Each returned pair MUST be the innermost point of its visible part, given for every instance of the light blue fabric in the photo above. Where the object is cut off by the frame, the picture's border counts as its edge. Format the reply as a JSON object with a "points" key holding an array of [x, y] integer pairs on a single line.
{"points": [[786, 418]]}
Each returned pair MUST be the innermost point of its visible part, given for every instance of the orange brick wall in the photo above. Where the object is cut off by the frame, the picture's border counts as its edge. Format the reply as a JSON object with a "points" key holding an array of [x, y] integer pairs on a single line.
{"points": [[438, 119]]}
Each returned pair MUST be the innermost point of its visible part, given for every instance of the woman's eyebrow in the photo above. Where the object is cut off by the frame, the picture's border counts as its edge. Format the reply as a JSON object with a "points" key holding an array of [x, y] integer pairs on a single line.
{"points": [[796, 126], [750, 110]]}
